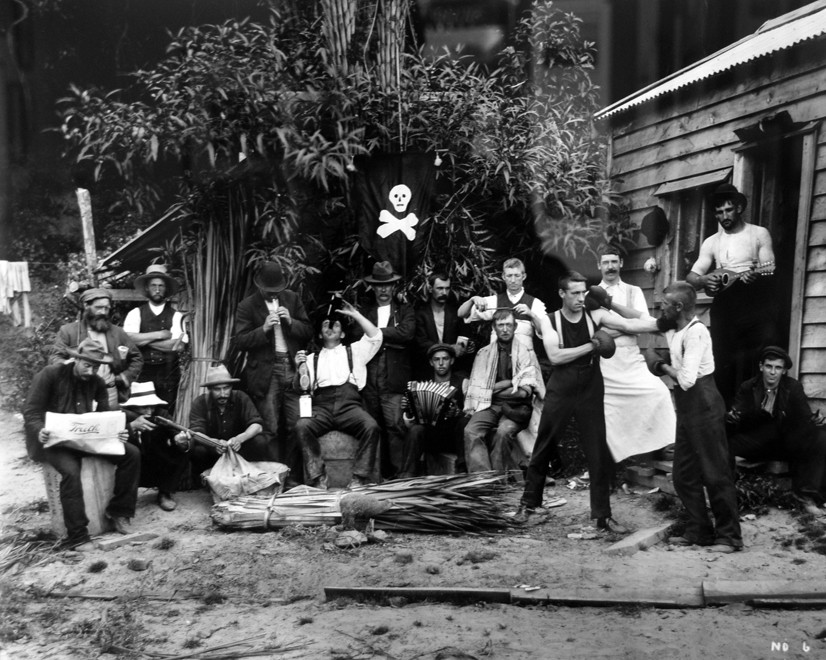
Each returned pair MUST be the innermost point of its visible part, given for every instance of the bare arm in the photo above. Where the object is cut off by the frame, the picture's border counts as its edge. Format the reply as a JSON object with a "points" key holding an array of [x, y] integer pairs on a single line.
{"points": [[556, 355], [348, 310], [633, 326]]}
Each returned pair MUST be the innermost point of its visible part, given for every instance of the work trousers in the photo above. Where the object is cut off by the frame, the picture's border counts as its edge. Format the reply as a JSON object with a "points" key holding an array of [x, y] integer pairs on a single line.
{"points": [[701, 459], [385, 407], [165, 376], [68, 463], [162, 463], [338, 409], [445, 437], [489, 440], [805, 449], [573, 391], [279, 408]]}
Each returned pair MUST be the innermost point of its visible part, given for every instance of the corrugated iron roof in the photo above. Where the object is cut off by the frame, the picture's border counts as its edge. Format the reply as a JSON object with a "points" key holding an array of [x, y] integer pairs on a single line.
{"points": [[777, 34]]}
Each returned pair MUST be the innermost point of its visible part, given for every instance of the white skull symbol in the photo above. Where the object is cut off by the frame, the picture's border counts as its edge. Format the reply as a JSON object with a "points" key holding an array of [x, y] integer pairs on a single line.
{"points": [[400, 197]]}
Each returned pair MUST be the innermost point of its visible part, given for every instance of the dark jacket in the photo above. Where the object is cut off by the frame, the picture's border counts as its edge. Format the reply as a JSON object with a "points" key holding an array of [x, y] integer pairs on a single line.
{"points": [[56, 389], [249, 336], [71, 334], [397, 338], [426, 334], [791, 407], [240, 414]]}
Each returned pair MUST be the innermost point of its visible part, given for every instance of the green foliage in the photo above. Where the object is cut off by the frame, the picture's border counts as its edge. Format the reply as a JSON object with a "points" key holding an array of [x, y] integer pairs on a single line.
{"points": [[522, 167]]}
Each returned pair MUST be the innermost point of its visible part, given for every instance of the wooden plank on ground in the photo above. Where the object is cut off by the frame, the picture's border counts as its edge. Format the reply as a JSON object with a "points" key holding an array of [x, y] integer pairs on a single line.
{"points": [[639, 540], [124, 539], [665, 594], [438, 594], [719, 592]]}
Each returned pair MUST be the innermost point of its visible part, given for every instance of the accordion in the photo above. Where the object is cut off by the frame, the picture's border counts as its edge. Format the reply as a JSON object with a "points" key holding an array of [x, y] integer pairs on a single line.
{"points": [[427, 401]]}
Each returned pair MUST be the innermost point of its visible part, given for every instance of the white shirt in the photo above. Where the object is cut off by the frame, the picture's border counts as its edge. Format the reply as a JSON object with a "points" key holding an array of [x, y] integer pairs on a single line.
{"points": [[523, 327], [333, 367], [132, 322], [691, 353], [382, 316], [277, 330], [630, 296]]}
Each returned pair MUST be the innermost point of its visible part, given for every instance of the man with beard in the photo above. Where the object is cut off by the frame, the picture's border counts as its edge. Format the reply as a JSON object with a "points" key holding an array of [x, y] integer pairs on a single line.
{"points": [[438, 322], [504, 379], [270, 326], [156, 328], [126, 363], [743, 320], [701, 458], [228, 416], [445, 434], [639, 414], [76, 388]]}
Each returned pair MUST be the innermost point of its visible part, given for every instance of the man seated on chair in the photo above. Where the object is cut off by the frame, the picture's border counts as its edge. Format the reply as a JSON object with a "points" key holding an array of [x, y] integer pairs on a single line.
{"points": [[444, 435], [334, 376], [163, 460], [771, 420], [499, 398], [227, 415], [75, 388]]}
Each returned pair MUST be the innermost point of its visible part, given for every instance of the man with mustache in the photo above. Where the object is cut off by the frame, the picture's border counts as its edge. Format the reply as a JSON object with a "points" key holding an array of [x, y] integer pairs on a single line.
{"points": [[126, 363], [438, 322], [639, 414], [743, 320], [226, 415], [73, 387]]}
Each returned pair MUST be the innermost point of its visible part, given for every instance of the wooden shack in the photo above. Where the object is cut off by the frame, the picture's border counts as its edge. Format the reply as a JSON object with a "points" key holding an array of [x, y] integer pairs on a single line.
{"points": [[750, 114]]}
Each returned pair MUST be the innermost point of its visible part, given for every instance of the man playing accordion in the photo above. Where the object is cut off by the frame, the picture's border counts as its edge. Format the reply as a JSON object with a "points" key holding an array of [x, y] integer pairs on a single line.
{"points": [[432, 412]]}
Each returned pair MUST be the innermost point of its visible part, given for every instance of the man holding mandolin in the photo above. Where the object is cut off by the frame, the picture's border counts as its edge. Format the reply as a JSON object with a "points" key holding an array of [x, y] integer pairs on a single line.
{"points": [[732, 267]]}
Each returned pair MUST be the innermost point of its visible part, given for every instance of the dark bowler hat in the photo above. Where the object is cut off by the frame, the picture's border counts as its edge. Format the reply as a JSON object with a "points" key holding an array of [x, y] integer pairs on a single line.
{"points": [[776, 353], [156, 271], [727, 191], [270, 277], [655, 226], [94, 294], [382, 274], [90, 351], [447, 348]]}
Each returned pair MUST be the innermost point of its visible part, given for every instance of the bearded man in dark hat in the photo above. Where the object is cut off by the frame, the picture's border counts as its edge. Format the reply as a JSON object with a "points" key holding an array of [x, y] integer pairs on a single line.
{"points": [[75, 387], [732, 267], [771, 420], [127, 362], [156, 327], [271, 325]]}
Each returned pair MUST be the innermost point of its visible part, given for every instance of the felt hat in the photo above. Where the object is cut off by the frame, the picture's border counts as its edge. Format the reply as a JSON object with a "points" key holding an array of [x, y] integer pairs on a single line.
{"points": [[143, 394], [447, 348], [156, 271], [94, 294], [776, 353], [90, 351], [655, 226], [219, 375], [728, 191], [270, 277], [382, 274]]}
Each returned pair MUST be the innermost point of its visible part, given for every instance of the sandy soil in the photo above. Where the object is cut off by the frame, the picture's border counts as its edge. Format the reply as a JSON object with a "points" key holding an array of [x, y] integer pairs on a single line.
{"points": [[212, 588]]}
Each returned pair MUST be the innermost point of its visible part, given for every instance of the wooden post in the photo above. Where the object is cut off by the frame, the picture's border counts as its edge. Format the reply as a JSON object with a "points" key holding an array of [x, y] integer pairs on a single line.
{"points": [[84, 201]]}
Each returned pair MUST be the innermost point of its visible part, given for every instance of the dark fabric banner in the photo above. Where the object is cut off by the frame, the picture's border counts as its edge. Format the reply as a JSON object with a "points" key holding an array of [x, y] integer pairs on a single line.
{"points": [[392, 194]]}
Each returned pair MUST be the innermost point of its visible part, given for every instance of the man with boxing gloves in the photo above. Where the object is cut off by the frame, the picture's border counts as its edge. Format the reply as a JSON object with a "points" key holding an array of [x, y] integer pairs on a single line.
{"points": [[575, 389]]}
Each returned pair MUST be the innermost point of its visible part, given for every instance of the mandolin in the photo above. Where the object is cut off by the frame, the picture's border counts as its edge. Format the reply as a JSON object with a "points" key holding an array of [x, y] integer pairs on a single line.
{"points": [[725, 277]]}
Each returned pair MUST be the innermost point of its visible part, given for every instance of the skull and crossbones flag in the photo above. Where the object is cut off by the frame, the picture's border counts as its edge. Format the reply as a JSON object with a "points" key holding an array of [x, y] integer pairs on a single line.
{"points": [[392, 199]]}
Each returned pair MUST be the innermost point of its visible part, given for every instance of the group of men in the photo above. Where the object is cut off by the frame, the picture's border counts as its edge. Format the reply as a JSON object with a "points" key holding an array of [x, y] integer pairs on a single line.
{"points": [[358, 380]]}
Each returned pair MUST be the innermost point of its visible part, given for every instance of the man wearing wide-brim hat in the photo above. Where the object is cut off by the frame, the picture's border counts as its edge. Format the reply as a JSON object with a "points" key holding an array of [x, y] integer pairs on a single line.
{"points": [[270, 326], [69, 388], [771, 420], [157, 329], [743, 317], [163, 461], [390, 370], [228, 416], [126, 360]]}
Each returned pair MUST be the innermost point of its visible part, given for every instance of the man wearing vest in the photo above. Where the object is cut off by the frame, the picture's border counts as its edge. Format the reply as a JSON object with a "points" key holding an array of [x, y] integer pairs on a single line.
{"points": [[335, 374], [157, 329], [271, 325], [575, 389]]}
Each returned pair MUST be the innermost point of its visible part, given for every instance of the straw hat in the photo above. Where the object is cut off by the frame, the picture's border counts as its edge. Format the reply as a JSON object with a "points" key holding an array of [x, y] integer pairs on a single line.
{"points": [[382, 274], [143, 394], [90, 351], [219, 375], [270, 277], [156, 271]]}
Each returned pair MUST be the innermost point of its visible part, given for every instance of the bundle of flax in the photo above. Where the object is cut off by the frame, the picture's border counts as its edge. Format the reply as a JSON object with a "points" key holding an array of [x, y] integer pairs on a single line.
{"points": [[438, 505]]}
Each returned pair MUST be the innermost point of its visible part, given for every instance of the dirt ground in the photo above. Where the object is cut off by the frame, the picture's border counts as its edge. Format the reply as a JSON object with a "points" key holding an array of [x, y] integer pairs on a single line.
{"points": [[209, 588]]}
